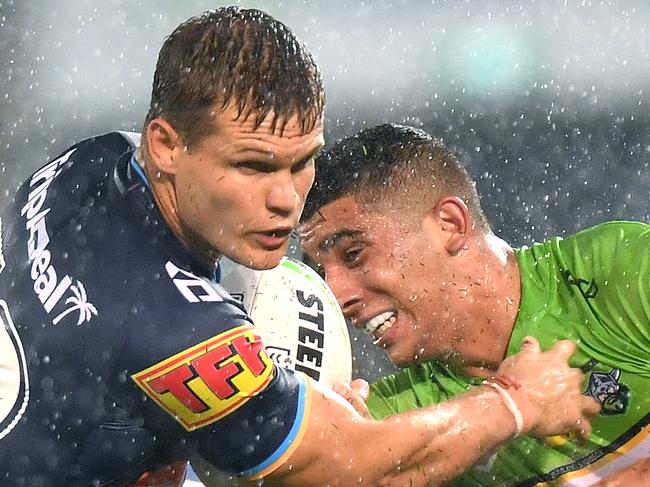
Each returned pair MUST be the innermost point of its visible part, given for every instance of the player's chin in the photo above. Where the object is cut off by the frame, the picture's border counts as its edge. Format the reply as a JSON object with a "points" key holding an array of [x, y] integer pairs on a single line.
{"points": [[401, 355], [266, 264], [261, 259], [396, 356]]}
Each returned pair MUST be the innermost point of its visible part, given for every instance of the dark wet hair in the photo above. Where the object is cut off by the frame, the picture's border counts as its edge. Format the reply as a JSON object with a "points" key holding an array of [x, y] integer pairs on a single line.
{"points": [[391, 163], [234, 56]]}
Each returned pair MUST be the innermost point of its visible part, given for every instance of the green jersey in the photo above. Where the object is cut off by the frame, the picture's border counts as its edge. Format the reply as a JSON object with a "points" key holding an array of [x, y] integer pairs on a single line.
{"points": [[593, 288]]}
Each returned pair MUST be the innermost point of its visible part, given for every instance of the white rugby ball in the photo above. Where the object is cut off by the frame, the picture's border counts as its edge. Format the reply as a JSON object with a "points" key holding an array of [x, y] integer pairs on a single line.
{"points": [[297, 317]]}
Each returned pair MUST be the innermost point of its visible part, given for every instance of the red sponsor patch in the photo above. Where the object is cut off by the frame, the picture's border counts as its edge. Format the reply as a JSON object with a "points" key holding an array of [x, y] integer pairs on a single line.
{"points": [[210, 380]]}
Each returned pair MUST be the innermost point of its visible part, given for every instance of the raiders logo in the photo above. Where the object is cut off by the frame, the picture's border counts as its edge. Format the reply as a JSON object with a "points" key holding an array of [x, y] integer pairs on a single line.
{"points": [[605, 388]]}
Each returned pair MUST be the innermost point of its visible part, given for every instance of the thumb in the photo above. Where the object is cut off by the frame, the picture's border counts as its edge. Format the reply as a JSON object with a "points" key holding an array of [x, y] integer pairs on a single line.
{"points": [[361, 387], [352, 396]]}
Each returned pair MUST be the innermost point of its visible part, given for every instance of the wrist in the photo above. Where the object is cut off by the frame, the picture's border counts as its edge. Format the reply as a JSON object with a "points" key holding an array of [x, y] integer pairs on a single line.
{"points": [[515, 401]]}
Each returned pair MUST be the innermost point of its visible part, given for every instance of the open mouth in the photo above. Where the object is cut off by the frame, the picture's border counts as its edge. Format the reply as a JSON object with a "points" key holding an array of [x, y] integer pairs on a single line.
{"points": [[273, 239], [278, 233], [378, 325]]}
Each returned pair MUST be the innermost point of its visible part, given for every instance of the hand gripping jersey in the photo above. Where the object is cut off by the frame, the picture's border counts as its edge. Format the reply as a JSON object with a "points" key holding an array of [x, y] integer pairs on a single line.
{"points": [[119, 352], [593, 288]]}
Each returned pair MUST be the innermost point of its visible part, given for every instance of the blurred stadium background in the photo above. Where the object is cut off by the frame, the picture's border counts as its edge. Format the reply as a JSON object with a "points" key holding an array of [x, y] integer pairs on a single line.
{"points": [[545, 101]]}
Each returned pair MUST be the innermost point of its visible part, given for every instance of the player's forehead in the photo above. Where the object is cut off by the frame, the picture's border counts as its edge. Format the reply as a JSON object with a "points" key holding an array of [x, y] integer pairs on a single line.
{"points": [[271, 135], [272, 140], [336, 223]]}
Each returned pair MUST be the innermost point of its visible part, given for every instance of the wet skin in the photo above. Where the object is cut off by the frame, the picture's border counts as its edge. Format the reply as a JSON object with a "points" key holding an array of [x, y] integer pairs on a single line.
{"points": [[239, 191], [389, 268]]}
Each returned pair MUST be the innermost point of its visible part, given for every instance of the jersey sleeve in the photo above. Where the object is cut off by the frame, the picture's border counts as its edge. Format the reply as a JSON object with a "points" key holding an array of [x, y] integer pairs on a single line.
{"points": [[210, 388]]}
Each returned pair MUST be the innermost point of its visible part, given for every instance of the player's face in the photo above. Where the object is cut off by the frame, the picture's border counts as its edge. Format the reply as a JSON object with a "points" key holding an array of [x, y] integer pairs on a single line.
{"points": [[389, 277], [240, 191]]}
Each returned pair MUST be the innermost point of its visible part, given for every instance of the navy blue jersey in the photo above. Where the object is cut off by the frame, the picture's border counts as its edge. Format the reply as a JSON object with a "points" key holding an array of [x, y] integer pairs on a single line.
{"points": [[119, 352]]}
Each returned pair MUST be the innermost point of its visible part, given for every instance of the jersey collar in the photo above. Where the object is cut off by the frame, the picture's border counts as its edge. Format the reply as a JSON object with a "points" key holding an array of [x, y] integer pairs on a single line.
{"points": [[133, 185]]}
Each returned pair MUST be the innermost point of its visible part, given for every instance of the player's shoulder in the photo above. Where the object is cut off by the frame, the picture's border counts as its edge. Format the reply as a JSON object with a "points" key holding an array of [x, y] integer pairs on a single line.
{"points": [[175, 309], [613, 237], [608, 249], [68, 177], [117, 142], [93, 151], [619, 230]]}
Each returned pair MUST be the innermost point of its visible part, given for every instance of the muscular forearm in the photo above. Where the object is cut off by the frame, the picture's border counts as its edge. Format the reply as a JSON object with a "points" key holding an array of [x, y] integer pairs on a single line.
{"points": [[456, 435], [445, 440], [424, 447], [534, 392]]}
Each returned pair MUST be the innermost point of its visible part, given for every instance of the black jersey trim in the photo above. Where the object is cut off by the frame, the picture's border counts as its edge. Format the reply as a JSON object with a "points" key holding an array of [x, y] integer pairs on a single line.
{"points": [[592, 457]]}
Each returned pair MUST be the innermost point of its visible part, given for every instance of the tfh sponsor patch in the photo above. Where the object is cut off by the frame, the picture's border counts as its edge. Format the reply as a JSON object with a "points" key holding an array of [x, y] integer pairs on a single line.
{"points": [[210, 380]]}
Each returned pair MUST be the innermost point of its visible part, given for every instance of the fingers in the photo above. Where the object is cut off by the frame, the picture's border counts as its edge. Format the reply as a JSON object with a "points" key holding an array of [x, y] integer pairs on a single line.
{"points": [[575, 378], [551, 398], [564, 348], [342, 390], [530, 344], [356, 399], [361, 387], [590, 406], [584, 429]]}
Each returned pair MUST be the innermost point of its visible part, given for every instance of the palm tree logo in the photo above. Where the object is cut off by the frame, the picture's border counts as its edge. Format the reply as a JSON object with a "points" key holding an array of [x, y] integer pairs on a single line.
{"points": [[79, 303]]}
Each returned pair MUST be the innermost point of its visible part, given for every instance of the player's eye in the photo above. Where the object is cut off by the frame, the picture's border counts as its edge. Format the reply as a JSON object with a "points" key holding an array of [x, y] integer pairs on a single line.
{"points": [[303, 164], [253, 167], [353, 255]]}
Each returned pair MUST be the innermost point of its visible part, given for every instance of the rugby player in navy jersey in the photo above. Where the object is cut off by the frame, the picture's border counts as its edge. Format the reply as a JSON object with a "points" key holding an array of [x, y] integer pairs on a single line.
{"points": [[120, 352]]}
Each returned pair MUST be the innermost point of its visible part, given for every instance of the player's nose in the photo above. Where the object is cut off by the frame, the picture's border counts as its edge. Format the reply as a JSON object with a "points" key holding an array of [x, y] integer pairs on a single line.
{"points": [[348, 292], [283, 197]]}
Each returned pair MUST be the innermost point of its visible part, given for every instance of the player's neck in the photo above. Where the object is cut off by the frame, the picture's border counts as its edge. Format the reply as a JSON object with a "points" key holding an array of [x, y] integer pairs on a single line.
{"points": [[162, 187], [495, 304]]}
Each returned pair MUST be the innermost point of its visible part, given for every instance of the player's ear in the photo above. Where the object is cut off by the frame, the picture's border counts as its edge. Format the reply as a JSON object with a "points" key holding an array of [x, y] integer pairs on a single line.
{"points": [[448, 223], [162, 142]]}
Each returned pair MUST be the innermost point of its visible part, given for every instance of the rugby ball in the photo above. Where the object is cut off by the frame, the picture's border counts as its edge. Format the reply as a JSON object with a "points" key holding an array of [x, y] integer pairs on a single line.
{"points": [[296, 315]]}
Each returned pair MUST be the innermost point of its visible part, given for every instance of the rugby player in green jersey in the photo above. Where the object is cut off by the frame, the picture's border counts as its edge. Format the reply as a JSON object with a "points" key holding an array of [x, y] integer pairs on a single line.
{"points": [[395, 225]]}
